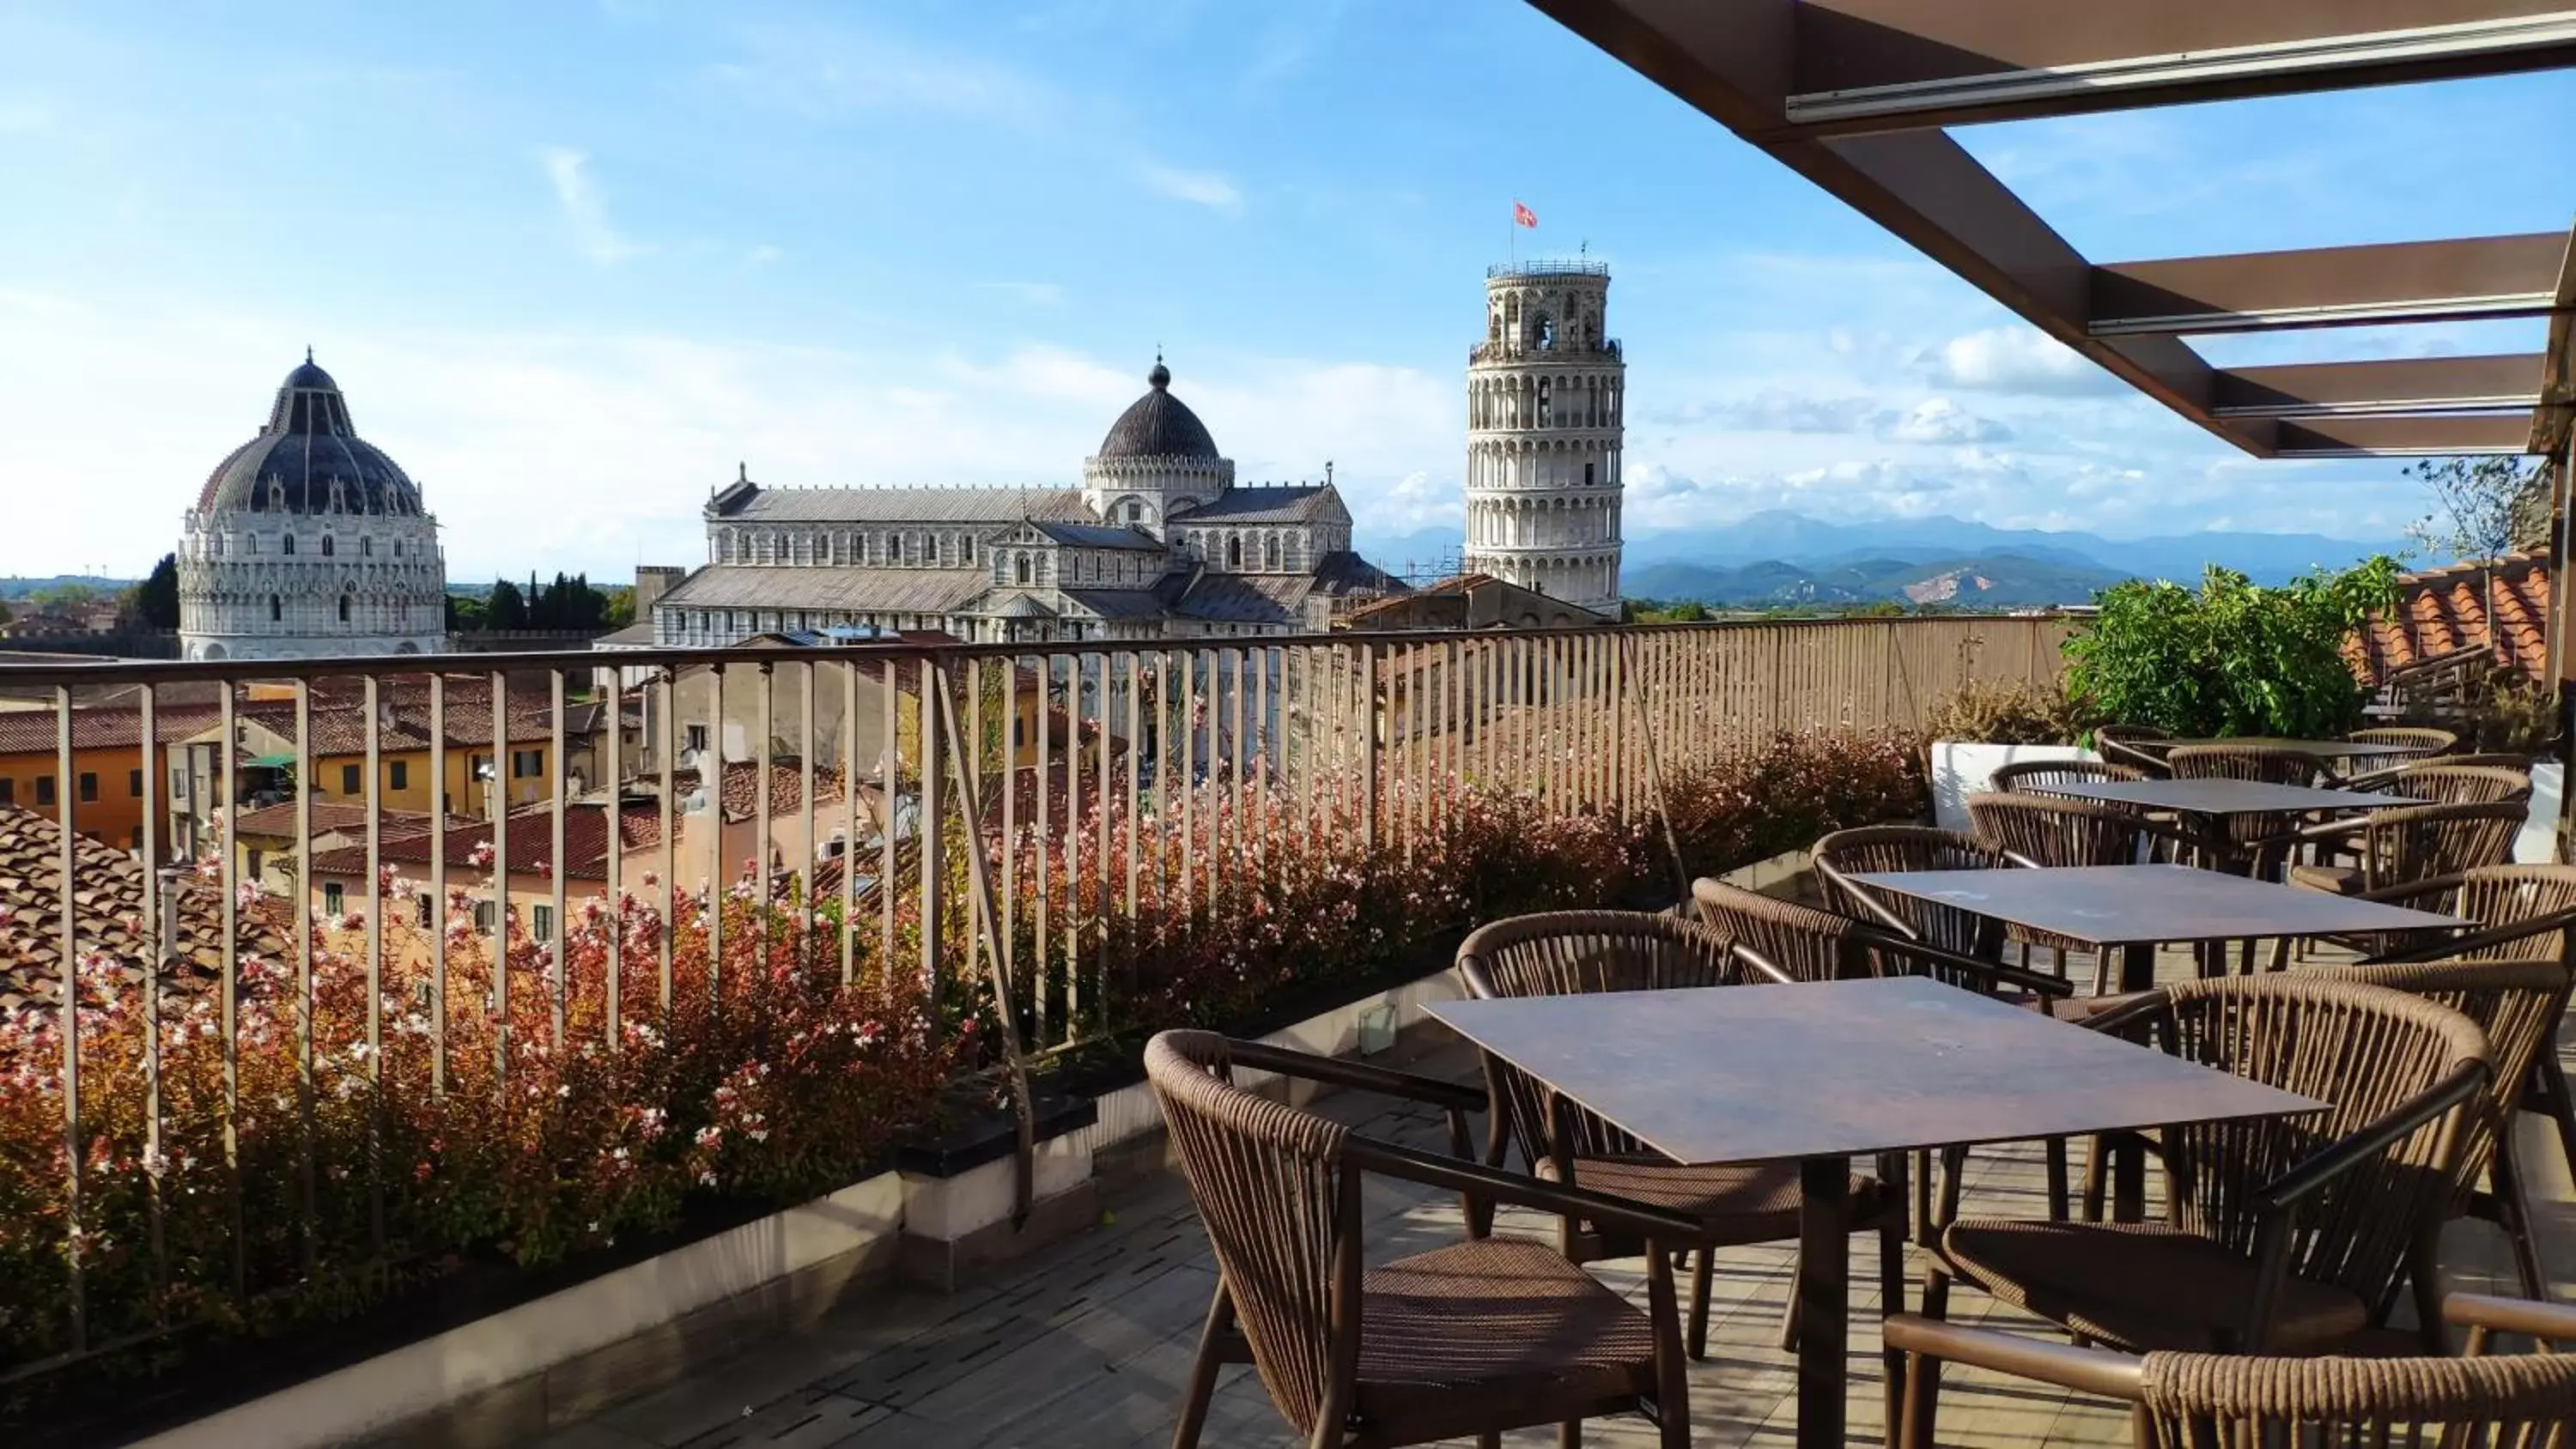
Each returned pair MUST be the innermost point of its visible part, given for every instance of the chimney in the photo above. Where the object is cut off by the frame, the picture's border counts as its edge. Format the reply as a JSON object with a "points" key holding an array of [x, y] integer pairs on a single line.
{"points": [[652, 581]]}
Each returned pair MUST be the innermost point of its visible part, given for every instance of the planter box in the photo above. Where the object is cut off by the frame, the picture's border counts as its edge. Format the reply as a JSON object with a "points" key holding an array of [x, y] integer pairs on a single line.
{"points": [[1961, 768], [2538, 842]]}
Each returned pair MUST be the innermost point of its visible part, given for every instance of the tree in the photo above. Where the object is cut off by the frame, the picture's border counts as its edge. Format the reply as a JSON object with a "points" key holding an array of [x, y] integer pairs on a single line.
{"points": [[64, 596], [154, 603], [621, 608], [2482, 508], [507, 608]]}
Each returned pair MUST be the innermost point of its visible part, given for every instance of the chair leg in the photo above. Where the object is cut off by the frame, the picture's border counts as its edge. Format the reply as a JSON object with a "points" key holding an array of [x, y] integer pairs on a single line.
{"points": [[2513, 1202], [2054, 1150], [2553, 1090], [1703, 1271], [2097, 1159], [1569, 1435], [1203, 1370], [1891, 1299], [1789, 1310], [1923, 1375], [2424, 1276]]}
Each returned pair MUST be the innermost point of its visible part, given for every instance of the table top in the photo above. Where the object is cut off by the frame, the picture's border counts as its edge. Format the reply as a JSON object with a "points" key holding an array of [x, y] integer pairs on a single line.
{"points": [[2320, 749], [1838, 1068], [2223, 797], [2124, 905]]}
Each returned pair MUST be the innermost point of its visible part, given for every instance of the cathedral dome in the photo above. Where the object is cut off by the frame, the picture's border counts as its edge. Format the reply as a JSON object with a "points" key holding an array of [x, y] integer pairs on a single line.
{"points": [[309, 460], [1159, 425]]}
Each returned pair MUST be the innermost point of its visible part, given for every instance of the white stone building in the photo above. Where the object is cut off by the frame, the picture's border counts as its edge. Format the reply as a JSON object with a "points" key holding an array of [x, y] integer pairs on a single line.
{"points": [[1545, 411], [307, 541], [1159, 541]]}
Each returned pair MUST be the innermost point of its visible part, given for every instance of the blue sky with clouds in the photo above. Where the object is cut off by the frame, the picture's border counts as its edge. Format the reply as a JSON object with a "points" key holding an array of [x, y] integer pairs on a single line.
{"points": [[574, 261]]}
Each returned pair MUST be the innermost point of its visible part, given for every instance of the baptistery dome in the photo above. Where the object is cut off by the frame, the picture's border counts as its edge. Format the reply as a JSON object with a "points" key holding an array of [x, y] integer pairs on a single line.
{"points": [[309, 541]]}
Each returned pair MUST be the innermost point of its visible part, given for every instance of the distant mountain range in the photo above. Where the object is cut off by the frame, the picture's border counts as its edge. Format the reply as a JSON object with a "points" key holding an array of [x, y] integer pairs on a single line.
{"points": [[1778, 557]]}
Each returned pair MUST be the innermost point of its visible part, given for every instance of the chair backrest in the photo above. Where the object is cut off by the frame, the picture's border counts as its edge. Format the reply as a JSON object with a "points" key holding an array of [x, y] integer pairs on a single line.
{"points": [[2421, 742], [2420, 842], [2193, 1399], [1269, 1182], [2439, 782], [2023, 775], [2366, 1051], [1805, 943], [1568, 953], [2516, 1003], [2131, 745], [2264, 764], [1846, 853], [2057, 830], [2497, 896]]}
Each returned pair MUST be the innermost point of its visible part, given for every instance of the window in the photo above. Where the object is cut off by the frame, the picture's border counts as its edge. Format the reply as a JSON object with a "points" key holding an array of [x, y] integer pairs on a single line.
{"points": [[483, 917], [333, 897], [398, 774], [8, 791], [276, 609], [398, 548], [1020, 568], [527, 764], [349, 780], [344, 602], [1587, 475], [134, 783], [255, 857], [179, 780], [289, 543], [44, 789], [1135, 511], [88, 786], [1234, 551], [422, 910], [134, 838], [1019, 731], [541, 922], [327, 550], [696, 739]]}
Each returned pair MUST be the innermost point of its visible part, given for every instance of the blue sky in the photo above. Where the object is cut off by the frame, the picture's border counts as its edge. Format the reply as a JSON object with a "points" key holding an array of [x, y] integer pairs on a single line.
{"points": [[573, 261]]}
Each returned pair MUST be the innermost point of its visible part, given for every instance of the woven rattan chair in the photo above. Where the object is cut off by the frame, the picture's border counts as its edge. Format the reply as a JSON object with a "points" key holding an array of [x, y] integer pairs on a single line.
{"points": [[2265, 764], [1847, 853], [2139, 747], [1485, 1336], [2421, 742], [1569, 952], [2377, 778], [2285, 1235], [2440, 782], [2055, 830], [2409, 843], [2023, 775], [2187, 1400], [2517, 1004]]}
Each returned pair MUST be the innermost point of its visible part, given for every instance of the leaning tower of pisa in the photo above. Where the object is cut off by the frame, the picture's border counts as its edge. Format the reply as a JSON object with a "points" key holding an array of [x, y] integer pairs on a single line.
{"points": [[1544, 412]]}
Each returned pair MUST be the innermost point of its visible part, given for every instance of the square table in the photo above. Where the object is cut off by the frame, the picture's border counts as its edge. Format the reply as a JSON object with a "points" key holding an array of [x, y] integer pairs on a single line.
{"points": [[2134, 908], [1824, 1072]]}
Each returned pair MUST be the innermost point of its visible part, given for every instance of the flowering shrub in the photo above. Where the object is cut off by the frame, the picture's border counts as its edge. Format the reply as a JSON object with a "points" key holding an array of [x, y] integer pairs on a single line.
{"points": [[532, 1127]]}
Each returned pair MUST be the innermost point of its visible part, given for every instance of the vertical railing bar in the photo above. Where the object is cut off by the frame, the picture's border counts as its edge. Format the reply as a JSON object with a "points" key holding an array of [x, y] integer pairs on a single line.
{"points": [[849, 931], [437, 884], [712, 769], [1365, 716], [1134, 669], [806, 904], [228, 983], [1191, 754], [1037, 975], [1100, 851], [889, 673], [373, 894], [496, 803], [969, 762], [1162, 846], [307, 1201], [1240, 760], [665, 688], [75, 1250], [933, 853], [1265, 739], [164, 949], [613, 830], [1073, 909], [764, 904]]}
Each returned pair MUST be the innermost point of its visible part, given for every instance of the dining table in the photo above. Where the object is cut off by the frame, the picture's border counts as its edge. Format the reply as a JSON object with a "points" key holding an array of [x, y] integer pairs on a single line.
{"points": [[2133, 909], [1820, 1073], [2211, 803]]}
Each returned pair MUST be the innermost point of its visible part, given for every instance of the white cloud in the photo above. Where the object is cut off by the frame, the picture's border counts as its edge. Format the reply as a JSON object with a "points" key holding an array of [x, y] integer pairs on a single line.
{"points": [[585, 212], [2013, 359], [828, 72], [1210, 189], [1939, 420]]}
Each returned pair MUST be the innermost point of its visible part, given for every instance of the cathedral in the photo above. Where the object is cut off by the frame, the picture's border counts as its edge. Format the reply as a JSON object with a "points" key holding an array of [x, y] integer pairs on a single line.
{"points": [[309, 542], [1158, 542]]}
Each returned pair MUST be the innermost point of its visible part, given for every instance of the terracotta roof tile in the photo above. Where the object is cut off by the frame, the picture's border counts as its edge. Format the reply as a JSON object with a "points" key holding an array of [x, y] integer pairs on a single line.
{"points": [[107, 913]]}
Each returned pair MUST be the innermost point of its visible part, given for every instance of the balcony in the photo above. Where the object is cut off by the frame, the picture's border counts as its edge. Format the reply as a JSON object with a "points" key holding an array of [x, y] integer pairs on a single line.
{"points": [[349, 949]]}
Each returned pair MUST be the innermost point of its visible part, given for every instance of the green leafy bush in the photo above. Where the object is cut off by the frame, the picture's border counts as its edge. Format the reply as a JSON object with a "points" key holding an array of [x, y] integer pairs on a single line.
{"points": [[2233, 657], [2008, 712]]}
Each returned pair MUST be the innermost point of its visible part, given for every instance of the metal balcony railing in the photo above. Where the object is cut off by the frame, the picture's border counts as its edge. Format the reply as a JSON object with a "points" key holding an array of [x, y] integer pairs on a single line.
{"points": [[299, 906]]}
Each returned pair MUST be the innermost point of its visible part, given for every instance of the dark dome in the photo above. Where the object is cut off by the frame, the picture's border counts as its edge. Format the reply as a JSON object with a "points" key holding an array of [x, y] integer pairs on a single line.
{"points": [[1159, 425], [309, 460]]}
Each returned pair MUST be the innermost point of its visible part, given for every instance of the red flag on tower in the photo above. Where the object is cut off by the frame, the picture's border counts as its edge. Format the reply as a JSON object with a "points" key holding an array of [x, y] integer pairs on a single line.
{"points": [[1523, 216]]}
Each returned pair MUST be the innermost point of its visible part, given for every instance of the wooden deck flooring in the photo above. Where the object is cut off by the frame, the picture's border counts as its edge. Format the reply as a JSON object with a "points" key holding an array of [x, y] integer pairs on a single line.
{"points": [[1086, 1345]]}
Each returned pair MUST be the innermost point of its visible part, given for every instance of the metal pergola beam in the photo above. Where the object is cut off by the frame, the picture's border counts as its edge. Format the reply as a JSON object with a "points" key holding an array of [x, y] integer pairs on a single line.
{"points": [[2396, 282], [2403, 437], [2409, 385], [1865, 65]]}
